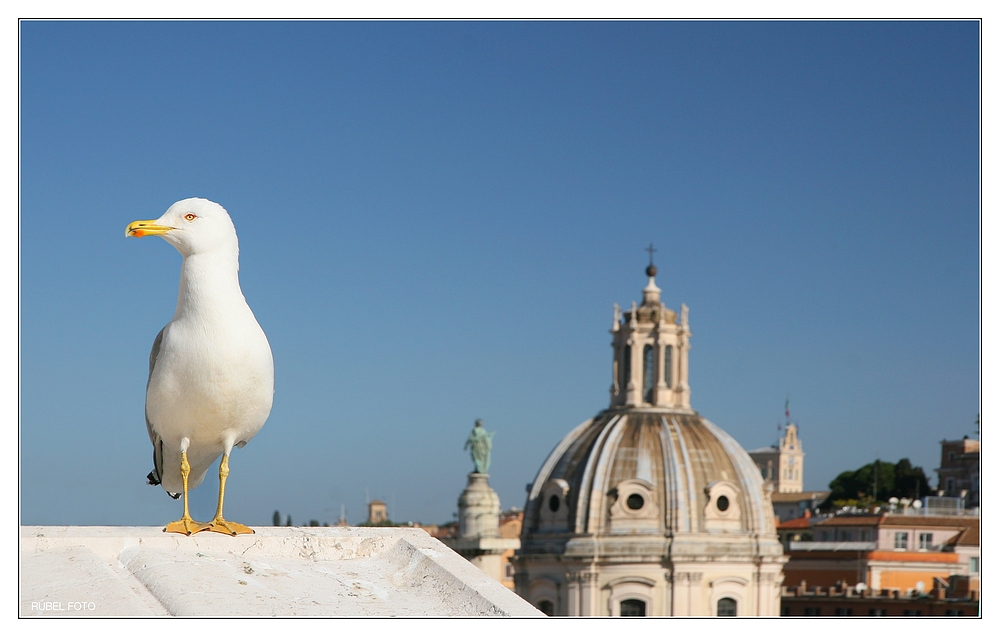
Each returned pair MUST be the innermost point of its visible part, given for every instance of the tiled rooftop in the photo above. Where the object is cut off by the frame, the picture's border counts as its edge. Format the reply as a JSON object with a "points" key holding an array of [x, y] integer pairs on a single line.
{"points": [[797, 523], [798, 497]]}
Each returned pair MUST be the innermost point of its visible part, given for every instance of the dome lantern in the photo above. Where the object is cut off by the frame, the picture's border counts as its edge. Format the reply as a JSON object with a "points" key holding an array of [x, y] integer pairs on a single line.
{"points": [[650, 364]]}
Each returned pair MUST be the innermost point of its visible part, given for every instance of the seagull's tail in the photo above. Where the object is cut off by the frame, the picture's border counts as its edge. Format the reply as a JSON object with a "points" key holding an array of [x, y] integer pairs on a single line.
{"points": [[153, 477], [154, 480]]}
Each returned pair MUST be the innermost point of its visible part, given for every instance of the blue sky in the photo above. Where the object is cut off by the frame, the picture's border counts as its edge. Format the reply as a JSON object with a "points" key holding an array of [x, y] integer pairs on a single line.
{"points": [[436, 218]]}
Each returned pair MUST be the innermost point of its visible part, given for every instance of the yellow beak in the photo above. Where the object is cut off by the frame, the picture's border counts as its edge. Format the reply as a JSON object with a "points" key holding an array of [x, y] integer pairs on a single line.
{"points": [[144, 228]]}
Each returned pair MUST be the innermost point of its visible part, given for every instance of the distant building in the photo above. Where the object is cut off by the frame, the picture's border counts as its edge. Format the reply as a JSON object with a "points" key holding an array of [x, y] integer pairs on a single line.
{"points": [[907, 553], [795, 530], [781, 465], [510, 528], [377, 512], [648, 508], [790, 506], [946, 598], [958, 476], [782, 468]]}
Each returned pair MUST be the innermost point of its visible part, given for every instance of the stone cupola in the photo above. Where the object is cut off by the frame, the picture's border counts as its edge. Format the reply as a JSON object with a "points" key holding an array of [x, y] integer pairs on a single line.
{"points": [[650, 366]]}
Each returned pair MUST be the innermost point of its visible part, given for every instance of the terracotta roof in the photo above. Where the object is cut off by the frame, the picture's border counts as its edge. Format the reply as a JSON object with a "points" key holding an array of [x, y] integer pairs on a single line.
{"points": [[969, 536], [797, 523], [852, 520], [798, 497], [956, 521]]}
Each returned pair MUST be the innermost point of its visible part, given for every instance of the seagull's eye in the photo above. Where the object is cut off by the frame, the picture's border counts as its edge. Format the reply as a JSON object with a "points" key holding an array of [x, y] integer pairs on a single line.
{"points": [[190, 217]]}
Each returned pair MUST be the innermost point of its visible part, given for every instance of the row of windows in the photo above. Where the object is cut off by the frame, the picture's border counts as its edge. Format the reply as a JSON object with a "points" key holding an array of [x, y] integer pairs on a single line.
{"points": [[768, 473], [814, 611], [842, 535], [902, 540], [637, 607], [648, 369]]}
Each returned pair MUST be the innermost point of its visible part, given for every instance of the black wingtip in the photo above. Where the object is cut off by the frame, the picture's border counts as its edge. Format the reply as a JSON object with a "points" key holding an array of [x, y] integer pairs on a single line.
{"points": [[151, 479], [174, 495]]}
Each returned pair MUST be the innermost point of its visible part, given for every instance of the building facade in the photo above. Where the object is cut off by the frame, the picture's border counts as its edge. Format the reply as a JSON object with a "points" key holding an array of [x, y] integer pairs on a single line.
{"points": [[648, 508], [781, 465], [377, 513], [958, 475], [946, 599], [911, 554], [790, 506]]}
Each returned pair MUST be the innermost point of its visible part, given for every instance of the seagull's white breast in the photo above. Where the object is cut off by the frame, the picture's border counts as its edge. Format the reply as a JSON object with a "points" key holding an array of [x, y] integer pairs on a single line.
{"points": [[214, 378]]}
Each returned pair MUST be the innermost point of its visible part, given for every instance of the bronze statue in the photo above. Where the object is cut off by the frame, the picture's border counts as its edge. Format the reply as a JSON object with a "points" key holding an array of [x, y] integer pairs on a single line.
{"points": [[481, 443]]}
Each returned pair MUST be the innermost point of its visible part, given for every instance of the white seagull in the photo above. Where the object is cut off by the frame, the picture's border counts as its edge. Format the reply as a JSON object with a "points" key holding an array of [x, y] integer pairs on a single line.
{"points": [[211, 375]]}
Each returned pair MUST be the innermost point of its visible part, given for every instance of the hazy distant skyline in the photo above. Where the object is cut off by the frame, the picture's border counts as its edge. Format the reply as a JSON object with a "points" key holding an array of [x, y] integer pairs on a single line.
{"points": [[435, 219]]}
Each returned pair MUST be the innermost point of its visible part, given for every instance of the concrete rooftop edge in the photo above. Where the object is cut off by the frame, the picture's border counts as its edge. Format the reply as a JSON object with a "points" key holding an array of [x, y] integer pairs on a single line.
{"points": [[277, 571]]}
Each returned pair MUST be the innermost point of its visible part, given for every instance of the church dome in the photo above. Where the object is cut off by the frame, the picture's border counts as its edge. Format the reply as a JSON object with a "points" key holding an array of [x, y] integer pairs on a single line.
{"points": [[642, 470], [649, 508]]}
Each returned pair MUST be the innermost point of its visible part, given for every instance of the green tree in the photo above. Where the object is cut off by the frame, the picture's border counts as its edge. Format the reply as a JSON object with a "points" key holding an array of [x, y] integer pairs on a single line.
{"points": [[276, 520], [876, 483], [911, 482]]}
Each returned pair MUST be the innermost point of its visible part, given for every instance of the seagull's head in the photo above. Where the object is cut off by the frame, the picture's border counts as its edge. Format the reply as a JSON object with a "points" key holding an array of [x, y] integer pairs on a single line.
{"points": [[193, 226]]}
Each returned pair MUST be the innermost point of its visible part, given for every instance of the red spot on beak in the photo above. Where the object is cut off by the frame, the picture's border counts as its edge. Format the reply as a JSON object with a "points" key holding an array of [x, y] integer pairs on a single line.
{"points": [[138, 233]]}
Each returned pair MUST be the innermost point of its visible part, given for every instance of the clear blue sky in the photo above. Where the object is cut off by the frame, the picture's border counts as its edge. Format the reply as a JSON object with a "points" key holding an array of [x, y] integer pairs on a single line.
{"points": [[436, 218]]}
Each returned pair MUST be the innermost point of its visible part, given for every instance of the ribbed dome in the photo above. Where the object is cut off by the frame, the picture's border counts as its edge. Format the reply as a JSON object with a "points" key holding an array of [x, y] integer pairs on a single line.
{"points": [[648, 471]]}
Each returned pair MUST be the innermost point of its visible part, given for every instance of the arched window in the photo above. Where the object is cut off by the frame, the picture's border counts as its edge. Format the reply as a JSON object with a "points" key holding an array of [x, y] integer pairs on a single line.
{"points": [[626, 366], [668, 365], [648, 371], [727, 607], [547, 607], [633, 608]]}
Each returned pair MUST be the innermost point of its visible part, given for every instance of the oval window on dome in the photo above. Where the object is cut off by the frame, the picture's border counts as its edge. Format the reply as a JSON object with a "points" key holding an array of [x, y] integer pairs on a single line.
{"points": [[553, 503], [634, 502], [722, 503]]}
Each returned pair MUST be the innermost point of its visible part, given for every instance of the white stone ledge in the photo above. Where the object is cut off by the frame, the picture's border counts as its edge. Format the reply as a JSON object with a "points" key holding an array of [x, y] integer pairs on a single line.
{"points": [[278, 571], [494, 544]]}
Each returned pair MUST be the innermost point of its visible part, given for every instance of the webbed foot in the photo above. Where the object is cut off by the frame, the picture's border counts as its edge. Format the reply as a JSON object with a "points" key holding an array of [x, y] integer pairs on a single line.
{"points": [[186, 525], [229, 528]]}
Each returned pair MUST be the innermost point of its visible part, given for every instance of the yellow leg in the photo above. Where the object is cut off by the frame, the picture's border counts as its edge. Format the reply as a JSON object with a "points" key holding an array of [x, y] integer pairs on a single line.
{"points": [[219, 525], [186, 524]]}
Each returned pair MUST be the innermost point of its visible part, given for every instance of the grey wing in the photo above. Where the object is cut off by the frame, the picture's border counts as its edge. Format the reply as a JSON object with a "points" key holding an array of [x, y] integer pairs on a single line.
{"points": [[154, 477], [153, 355]]}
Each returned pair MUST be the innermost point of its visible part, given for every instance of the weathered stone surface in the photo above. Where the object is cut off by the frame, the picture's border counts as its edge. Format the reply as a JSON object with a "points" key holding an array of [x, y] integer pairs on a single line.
{"points": [[279, 571]]}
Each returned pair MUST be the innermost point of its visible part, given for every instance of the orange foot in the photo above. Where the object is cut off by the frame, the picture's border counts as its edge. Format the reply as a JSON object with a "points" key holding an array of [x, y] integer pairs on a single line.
{"points": [[186, 525], [229, 528]]}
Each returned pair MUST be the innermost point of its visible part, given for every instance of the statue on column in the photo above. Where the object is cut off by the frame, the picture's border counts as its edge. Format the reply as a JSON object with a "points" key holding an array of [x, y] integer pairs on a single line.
{"points": [[481, 444]]}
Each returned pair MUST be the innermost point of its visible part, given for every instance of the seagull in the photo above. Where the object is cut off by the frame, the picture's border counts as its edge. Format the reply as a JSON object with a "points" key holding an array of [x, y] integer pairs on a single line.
{"points": [[211, 375]]}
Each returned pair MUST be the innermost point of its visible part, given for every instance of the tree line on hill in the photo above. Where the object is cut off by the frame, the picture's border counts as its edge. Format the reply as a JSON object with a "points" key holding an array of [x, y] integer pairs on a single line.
{"points": [[875, 483]]}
